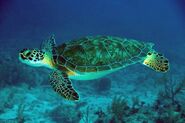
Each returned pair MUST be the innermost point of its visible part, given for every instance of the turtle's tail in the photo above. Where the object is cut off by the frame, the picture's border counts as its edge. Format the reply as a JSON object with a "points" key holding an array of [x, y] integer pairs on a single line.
{"points": [[156, 61]]}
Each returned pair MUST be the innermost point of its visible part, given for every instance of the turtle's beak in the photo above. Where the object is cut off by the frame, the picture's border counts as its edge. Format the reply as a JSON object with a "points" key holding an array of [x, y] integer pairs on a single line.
{"points": [[22, 55]]}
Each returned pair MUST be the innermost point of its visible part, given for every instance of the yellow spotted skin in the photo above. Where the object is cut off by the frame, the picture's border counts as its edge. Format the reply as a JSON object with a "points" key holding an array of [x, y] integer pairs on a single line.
{"points": [[157, 62], [47, 60]]}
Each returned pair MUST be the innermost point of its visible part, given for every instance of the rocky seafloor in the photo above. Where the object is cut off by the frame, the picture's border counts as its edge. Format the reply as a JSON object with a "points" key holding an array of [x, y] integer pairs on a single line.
{"points": [[135, 94]]}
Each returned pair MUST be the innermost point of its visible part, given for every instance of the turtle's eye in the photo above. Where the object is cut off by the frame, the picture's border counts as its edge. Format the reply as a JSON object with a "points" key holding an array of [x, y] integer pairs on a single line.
{"points": [[27, 54]]}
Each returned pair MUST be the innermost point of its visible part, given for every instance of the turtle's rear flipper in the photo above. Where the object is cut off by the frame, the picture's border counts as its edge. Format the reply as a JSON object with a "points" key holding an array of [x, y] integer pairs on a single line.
{"points": [[62, 85], [157, 62]]}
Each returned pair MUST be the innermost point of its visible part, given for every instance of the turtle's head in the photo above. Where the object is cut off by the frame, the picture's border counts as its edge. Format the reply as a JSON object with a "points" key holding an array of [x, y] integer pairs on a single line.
{"points": [[38, 58], [32, 57]]}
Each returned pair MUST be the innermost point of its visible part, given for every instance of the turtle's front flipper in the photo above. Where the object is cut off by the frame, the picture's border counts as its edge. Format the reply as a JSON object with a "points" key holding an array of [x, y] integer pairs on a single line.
{"points": [[49, 47], [157, 62], [48, 44], [62, 85]]}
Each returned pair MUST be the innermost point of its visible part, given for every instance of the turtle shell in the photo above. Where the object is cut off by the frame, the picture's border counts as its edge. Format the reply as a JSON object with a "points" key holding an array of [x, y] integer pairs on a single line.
{"points": [[99, 53]]}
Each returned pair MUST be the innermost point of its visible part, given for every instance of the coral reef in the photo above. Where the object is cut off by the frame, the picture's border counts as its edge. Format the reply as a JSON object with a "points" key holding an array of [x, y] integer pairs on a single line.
{"points": [[121, 112], [101, 116], [66, 114], [118, 109], [171, 89], [169, 106]]}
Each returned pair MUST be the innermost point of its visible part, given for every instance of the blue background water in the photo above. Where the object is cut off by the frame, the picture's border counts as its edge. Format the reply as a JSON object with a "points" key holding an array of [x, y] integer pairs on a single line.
{"points": [[159, 21], [25, 23]]}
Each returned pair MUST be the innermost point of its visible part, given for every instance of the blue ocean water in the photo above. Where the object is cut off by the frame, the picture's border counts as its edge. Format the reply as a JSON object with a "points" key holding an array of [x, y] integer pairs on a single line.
{"points": [[135, 94]]}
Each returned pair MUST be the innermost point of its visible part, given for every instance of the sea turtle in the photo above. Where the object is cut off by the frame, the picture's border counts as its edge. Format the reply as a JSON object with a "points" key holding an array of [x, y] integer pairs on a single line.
{"points": [[89, 58]]}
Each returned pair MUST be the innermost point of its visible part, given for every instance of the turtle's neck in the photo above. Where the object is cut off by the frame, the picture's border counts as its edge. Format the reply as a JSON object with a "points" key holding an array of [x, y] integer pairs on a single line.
{"points": [[48, 62]]}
